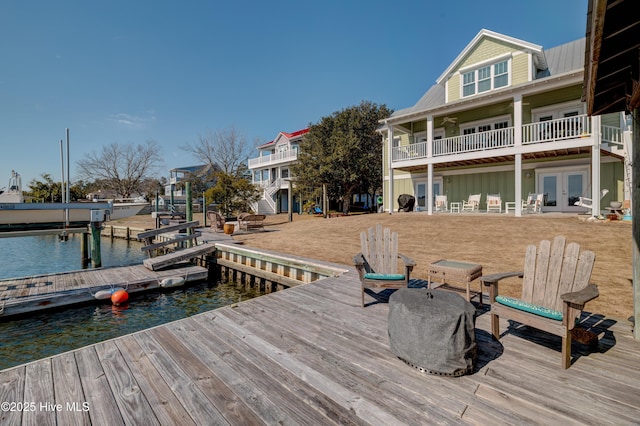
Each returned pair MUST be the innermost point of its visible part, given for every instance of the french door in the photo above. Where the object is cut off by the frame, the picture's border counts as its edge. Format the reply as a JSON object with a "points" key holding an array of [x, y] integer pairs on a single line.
{"points": [[421, 192], [562, 189]]}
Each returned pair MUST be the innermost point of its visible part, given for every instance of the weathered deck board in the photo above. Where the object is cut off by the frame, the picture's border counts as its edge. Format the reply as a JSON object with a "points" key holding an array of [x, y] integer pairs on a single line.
{"points": [[165, 260], [312, 355]]}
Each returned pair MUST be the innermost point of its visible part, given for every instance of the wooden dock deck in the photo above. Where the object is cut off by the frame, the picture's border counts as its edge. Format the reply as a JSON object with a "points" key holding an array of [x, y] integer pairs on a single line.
{"points": [[311, 355], [28, 294]]}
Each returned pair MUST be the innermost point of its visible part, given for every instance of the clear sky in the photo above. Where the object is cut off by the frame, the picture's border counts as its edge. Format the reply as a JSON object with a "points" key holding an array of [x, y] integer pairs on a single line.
{"points": [[128, 71]]}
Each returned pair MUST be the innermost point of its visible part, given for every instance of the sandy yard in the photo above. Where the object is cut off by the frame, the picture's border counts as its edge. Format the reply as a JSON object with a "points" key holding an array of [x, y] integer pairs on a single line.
{"points": [[497, 241]]}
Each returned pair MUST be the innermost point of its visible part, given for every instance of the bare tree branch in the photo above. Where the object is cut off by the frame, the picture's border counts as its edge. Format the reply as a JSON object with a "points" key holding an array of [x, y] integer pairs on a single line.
{"points": [[123, 168], [225, 149]]}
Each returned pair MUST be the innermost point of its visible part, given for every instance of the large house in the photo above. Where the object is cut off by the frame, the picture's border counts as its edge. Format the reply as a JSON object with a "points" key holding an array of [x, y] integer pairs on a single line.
{"points": [[506, 117], [271, 169]]}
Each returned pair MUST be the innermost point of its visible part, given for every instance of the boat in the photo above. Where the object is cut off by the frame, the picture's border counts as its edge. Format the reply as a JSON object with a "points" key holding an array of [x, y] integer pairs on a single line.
{"points": [[16, 214]]}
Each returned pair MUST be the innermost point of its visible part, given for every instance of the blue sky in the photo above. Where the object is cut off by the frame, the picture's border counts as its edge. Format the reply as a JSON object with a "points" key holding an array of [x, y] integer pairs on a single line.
{"points": [[136, 70]]}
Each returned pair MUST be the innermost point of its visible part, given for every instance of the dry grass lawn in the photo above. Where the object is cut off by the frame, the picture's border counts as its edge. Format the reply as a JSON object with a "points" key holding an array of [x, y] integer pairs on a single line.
{"points": [[497, 241]]}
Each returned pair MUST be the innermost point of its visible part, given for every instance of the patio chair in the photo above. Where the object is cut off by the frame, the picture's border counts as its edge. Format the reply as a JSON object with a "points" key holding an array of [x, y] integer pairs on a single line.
{"points": [[377, 262], [216, 220], [494, 203], [441, 203], [472, 204], [533, 203], [555, 288], [588, 202]]}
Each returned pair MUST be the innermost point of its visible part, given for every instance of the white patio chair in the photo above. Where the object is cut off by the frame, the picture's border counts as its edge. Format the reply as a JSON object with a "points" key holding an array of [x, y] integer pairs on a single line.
{"points": [[533, 203], [494, 203], [588, 202], [442, 204], [472, 204]]}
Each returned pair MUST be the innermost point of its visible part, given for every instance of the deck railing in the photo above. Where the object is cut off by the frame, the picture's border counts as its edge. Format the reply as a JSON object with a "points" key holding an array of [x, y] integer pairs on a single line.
{"points": [[278, 157], [482, 141], [559, 129], [534, 133]]}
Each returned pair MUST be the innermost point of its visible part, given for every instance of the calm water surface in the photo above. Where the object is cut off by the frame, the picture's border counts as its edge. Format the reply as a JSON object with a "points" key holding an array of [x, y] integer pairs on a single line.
{"points": [[49, 333], [25, 256]]}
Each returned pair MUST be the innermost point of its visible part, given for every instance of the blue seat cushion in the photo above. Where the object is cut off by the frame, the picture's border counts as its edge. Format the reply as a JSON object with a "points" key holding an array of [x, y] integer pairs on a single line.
{"points": [[389, 277], [529, 307]]}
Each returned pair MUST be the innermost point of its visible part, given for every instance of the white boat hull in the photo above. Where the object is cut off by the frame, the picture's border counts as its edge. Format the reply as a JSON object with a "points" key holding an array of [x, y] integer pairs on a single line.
{"points": [[32, 214]]}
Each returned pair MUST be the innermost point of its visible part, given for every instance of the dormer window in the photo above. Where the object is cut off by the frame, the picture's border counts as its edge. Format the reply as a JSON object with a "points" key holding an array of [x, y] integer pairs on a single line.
{"points": [[483, 79]]}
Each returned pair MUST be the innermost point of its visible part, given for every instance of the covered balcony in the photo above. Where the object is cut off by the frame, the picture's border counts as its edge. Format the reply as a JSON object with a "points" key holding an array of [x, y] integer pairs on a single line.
{"points": [[565, 133]]}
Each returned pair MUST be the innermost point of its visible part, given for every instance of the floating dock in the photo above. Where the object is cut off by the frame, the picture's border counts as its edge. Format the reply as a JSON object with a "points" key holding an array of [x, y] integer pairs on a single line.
{"points": [[28, 294]]}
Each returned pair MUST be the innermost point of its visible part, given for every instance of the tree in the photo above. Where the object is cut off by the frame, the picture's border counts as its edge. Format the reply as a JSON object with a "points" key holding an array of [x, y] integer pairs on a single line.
{"points": [[232, 193], [223, 149], [344, 151], [45, 191], [121, 168]]}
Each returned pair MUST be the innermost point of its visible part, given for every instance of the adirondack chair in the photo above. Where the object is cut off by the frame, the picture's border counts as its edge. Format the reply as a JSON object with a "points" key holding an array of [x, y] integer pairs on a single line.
{"points": [[377, 263], [555, 289], [472, 204], [494, 203], [441, 203]]}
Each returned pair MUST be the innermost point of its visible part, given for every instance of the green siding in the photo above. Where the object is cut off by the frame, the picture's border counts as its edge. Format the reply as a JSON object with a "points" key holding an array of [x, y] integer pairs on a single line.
{"points": [[519, 69], [567, 94], [612, 178], [612, 119], [486, 50], [453, 88]]}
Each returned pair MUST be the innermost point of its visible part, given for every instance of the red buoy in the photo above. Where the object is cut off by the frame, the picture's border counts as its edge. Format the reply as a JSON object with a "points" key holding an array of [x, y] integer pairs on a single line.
{"points": [[119, 297]]}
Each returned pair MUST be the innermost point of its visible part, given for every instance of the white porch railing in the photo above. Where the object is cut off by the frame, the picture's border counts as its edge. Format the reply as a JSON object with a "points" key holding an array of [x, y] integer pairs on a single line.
{"points": [[278, 157], [554, 130], [612, 135], [482, 141], [534, 133]]}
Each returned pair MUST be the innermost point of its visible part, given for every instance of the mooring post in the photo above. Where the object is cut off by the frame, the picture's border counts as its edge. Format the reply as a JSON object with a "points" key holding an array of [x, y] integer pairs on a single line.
{"points": [[213, 273], [97, 217], [84, 249]]}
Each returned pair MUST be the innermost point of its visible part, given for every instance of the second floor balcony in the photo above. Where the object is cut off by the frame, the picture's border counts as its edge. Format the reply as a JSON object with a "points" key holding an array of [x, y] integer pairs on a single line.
{"points": [[281, 157], [542, 134]]}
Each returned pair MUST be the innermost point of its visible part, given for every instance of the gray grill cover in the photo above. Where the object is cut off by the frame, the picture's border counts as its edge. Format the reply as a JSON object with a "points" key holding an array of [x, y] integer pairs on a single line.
{"points": [[433, 330]]}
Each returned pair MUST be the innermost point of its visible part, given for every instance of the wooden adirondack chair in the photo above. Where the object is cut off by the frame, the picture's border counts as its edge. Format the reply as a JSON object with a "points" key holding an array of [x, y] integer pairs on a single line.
{"points": [[377, 263], [555, 289]]}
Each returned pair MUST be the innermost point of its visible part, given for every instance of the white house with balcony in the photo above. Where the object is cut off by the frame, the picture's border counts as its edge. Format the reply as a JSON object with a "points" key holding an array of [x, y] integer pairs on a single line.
{"points": [[506, 117], [271, 169]]}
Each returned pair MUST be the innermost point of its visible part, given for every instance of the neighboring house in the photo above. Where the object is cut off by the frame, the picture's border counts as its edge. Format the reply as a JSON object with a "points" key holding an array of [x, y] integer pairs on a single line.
{"points": [[181, 174], [507, 117], [271, 169]]}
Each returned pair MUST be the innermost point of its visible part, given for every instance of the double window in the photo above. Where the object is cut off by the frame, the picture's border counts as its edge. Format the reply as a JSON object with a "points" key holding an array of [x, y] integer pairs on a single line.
{"points": [[485, 78]]}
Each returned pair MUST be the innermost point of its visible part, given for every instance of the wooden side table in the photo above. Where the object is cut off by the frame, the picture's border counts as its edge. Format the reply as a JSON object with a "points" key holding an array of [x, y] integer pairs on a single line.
{"points": [[455, 207], [459, 272]]}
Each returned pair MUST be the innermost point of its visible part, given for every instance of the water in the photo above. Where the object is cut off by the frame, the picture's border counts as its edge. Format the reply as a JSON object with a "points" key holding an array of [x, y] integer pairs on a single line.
{"points": [[26, 256], [50, 333]]}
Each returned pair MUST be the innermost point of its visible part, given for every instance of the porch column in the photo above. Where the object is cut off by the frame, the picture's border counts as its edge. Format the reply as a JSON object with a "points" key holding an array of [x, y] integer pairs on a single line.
{"points": [[429, 136], [430, 189], [517, 141], [595, 165], [390, 164]]}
